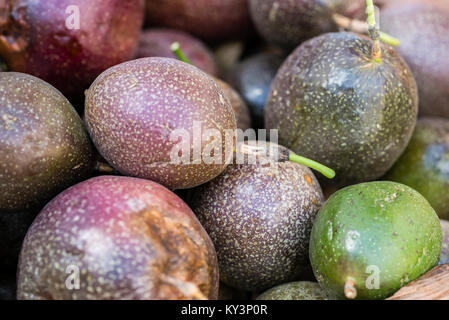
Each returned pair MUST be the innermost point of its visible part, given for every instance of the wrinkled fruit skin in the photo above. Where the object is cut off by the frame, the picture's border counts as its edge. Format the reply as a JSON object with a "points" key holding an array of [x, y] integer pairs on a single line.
{"points": [[252, 78], [130, 238], [242, 115], [444, 257], [424, 166], [211, 20], [134, 109], [295, 291], [327, 104], [44, 146], [156, 43], [36, 39], [423, 28], [287, 23], [13, 228], [382, 228], [259, 220]]}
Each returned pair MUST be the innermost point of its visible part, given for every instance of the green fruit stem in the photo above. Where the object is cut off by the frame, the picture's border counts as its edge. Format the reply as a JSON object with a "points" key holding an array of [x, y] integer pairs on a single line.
{"points": [[361, 27], [373, 31], [176, 49], [327, 172]]}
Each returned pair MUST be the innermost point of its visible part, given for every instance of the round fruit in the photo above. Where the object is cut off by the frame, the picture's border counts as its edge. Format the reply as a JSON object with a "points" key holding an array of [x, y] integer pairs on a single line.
{"points": [[371, 239], [295, 291], [239, 106], [141, 114], [211, 20], [157, 42], [13, 228], [424, 166], [424, 33], [259, 216], [335, 102], [252, 78], [287, 23], [126, 238], [69, 42], [444, 257], [44, 145]]}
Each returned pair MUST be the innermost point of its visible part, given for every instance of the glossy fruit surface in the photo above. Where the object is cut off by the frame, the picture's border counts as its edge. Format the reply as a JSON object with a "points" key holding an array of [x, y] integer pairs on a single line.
{"points": [[141, 114], [259, 217], [333, 103], [68, 42], [156, 42], [424, 166], [44, 146], [125, 238], [379, 235], [287, 23]]}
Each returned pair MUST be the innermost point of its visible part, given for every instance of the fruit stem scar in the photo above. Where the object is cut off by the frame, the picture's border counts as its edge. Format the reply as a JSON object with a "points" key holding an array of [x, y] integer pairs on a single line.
{"points": [[350, 290], [327, 172], [374, 31], [359, 26], [176, 49]]}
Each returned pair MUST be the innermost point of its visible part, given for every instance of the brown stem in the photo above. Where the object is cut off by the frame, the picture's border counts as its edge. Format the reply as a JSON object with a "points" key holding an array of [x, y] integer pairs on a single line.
{"points": [[350, 289]]}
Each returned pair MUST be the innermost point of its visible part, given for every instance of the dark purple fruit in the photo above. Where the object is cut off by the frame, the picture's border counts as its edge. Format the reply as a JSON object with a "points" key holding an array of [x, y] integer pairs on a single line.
{"points": [[333, 101], [42, 38], [259, 217], [423, 28], [13, 228], [44, 147], [444, 257], [157, 42], [287, 23], [139, 112], [210, 20], [128, 238], [252, 78]]}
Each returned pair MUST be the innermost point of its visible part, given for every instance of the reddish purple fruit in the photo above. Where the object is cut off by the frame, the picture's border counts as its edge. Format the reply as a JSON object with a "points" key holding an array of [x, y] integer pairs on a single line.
{"points": [[157, 42], [210, 20], [43, 38], [126, 238], [147, 118]]}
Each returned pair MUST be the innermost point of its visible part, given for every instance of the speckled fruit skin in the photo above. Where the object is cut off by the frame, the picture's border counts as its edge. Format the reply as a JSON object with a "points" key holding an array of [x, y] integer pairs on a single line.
{"points": [[377, 224], [259, 219], [44, 146], [130, 238], [156, 42], [332, 103], [424, 166], [423, 28], [13, 228], [133, 108], [211, 20], [295, 291], [35, 39], [252, 78], [287, 23], [242, 115]]}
